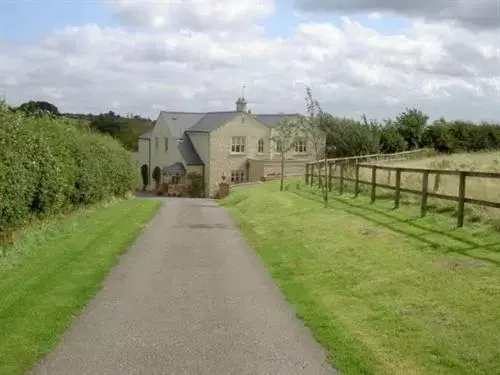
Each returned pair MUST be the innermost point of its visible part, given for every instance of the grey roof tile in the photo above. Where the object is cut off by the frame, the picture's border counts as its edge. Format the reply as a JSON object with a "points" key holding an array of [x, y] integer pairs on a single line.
{"points": [[188, 152], [175, 168], [147, 135], [272, 120], [212, 120], [179, 122]]}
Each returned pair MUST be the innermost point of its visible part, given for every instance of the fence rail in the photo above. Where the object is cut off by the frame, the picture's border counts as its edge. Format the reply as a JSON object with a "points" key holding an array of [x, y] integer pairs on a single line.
{"points": [[404, 155], [423, 192]]}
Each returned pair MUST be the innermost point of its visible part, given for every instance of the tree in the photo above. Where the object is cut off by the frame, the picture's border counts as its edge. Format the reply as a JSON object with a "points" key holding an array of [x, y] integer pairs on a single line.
{"points": [[411, 124], [145, 176], [315, 127], [38, 107], [284, 137]]}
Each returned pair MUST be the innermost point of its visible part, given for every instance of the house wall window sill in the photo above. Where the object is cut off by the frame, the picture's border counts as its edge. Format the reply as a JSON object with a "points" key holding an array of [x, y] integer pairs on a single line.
{"points": [[237, 153]]}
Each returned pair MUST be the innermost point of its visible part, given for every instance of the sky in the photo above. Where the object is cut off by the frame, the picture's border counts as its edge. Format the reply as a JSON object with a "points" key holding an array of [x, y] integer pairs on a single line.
{"points": [[375, 57]]}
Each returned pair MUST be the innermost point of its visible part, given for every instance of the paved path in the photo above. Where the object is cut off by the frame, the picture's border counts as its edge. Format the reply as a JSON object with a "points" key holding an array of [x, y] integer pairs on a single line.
{"points": [[190, 297]]}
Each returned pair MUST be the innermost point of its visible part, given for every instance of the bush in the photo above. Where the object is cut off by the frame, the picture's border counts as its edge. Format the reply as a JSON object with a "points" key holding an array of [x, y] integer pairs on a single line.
{"points": [[157, 176], [347, 137], [49, 164], [195, 185]]}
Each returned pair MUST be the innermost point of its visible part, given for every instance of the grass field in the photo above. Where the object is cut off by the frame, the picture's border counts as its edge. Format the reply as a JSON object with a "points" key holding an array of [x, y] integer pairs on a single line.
{"points": [[54, 270], [478, 188], [385, 291]]}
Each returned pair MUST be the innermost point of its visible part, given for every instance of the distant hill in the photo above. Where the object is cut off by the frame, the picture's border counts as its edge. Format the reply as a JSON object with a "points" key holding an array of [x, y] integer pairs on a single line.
{"points": [[125, 129]]}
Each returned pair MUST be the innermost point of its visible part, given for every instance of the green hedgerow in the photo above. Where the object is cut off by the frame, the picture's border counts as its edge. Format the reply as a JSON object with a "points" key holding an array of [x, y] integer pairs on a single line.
{"points": [[49, 163]]}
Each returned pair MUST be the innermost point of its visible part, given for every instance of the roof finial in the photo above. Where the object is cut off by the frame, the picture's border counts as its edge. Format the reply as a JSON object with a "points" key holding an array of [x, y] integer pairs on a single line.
{"points": [[243, 92]]}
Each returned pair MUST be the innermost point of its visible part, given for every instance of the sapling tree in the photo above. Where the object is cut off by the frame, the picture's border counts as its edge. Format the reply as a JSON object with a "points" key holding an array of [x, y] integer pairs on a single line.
{"points": [[314, 127], [284, 136]]}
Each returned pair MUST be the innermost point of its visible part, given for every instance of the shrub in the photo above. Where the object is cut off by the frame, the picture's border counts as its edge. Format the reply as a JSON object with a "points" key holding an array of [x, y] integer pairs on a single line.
{"points": [[195, 185], [157, 175], [48, 164]]}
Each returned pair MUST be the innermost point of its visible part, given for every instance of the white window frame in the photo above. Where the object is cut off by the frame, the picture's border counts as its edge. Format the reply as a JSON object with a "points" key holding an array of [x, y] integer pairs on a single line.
{"points": [[156, 143], [260, 146], [166, 144], [238, 176], [301, 146], [238, 144]]}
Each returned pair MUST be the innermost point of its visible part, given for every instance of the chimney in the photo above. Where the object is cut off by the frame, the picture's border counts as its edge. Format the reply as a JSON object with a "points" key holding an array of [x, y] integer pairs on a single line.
{"points": [[241, 105]]}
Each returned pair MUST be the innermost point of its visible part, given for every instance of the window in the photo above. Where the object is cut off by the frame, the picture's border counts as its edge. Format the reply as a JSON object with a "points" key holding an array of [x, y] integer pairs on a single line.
{"points": [[166, 143], [156, 142], [279, 146], [237, 176], [238, 144], [300, 146], [260, 146]]}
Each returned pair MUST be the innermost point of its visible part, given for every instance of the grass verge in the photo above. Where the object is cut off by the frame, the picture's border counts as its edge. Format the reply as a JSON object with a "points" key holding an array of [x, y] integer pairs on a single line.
{"points": [[385, 291], [54, 270]]}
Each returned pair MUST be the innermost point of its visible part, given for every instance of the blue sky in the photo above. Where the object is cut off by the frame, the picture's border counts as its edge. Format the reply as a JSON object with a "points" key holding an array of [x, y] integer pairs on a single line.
{"points": [[29, 20], [204, 70]]}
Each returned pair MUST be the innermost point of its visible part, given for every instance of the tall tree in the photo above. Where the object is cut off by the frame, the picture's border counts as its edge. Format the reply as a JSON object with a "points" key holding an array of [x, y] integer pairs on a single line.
{"points": [[38, 107], [411, 125], [285, 134]]}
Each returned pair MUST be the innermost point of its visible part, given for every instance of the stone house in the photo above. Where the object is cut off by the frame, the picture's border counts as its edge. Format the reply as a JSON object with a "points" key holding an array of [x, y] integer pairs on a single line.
{"points": [[234, 144]]}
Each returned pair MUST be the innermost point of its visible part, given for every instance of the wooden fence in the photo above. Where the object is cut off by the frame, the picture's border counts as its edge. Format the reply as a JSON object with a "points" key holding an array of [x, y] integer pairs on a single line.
{"points": [[424, 192]]}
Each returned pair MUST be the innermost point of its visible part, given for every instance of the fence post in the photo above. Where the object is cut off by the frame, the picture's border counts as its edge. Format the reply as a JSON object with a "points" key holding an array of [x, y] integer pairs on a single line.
{"points": [[356, 183], [397, 194], [425, 193], [330, 177], [374, 183], [461, 199], [307, 173], [437, 180], [342, 170], [311, 182]]}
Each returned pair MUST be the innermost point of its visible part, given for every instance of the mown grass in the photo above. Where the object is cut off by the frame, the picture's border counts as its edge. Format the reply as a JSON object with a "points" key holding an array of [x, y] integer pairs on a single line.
{"points": [[51, 273], [385, 291]]}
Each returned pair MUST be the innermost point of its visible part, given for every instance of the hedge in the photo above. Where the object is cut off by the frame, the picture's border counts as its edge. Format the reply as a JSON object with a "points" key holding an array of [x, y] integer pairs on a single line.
{"points": [[49, 164]]}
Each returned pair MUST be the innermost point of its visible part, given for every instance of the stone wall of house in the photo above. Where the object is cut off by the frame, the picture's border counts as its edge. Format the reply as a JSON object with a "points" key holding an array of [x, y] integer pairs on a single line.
{"points": [[222, 160]]}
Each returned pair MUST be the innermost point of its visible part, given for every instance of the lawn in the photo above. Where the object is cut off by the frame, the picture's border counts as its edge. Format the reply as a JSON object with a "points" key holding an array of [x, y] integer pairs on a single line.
{"points": [[54, 270], [385, 291]]}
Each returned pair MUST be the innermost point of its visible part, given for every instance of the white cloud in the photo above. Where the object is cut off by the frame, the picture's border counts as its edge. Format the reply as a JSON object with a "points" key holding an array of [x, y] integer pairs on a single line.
{"points": [[189, 56], [471, 13]]}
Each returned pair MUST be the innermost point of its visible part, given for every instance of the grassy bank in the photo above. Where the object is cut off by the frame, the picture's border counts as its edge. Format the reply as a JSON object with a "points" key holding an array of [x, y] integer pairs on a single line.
{"points": [[385, 291], [54, 270]]}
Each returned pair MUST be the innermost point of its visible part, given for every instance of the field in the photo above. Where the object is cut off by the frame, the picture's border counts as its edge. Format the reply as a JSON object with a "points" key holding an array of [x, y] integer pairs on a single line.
{"points": [[478, 188], [53, 270], [385, 291]]}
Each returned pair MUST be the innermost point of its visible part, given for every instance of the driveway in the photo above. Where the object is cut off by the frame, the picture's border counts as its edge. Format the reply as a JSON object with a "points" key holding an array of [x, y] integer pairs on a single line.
{"points": [[189, 297]]}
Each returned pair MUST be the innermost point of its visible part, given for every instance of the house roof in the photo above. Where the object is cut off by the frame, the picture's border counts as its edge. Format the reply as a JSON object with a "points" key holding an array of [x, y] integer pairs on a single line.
{"points": [[147, 135], [271, 120], [188, 152], [174, 168], [212, 121], [181, 123]]}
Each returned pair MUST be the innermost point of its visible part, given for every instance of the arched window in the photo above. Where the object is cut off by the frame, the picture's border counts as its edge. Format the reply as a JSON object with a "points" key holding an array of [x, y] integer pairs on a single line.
{"points": [[260, 145]]}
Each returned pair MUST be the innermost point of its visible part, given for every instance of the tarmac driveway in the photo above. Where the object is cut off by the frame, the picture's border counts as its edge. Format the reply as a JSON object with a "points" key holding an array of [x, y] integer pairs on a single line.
{"points": [[189, 297]]}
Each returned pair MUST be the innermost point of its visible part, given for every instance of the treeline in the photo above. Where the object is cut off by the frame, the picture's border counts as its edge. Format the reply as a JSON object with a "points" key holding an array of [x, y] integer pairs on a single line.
{"points": [[409, 130], [50, 164], [125, 129]]}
